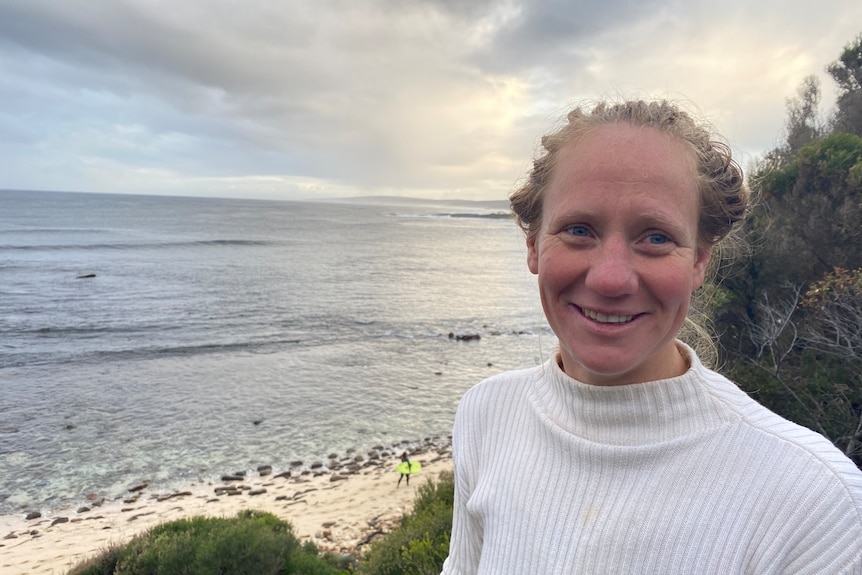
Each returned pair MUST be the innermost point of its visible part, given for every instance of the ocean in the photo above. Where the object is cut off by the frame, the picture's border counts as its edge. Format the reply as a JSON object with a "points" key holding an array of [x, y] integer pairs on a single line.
{"points": [[175, 339]]}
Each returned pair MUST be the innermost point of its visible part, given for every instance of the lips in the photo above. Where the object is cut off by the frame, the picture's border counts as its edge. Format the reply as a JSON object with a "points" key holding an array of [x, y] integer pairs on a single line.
{"points": [[606, 318]]}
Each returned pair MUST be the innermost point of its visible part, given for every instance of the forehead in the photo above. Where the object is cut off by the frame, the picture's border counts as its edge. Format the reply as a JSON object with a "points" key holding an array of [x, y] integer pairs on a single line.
{"points": [[621, 165], [622, 152]]}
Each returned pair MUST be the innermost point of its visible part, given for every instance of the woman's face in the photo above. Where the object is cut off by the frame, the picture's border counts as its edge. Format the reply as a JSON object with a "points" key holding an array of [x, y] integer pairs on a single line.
{"points": [[617, 254]]}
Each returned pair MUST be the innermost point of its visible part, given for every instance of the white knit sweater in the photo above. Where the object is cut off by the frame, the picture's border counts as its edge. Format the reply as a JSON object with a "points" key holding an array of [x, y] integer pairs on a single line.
{"points": [[684, 476]]}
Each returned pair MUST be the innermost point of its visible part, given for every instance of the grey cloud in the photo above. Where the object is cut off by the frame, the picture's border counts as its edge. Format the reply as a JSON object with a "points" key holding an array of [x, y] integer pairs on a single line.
{"points": [[395, 94], [555, 32]]}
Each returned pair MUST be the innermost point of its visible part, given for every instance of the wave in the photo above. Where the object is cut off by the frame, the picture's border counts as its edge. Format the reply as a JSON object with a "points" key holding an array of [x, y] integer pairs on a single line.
{"points": [[105, 356]]}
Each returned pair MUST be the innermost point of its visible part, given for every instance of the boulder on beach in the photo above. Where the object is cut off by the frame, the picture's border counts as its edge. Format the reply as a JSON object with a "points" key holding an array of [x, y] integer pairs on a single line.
{"points": [[465, 336], [139, 487]]}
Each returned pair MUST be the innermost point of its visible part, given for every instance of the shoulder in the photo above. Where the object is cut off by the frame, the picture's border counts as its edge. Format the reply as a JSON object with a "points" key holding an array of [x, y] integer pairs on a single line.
{"points": [[500, 389], [492, 404], [803, 450]]}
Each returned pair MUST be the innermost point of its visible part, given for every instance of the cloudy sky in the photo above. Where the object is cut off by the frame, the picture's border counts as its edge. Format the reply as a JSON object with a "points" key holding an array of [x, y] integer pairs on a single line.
{"points": [[433, 98]]}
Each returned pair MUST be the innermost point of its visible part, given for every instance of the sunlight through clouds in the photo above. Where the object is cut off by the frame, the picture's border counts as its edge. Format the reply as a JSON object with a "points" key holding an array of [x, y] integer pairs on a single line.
{"points": [[431, 98]]}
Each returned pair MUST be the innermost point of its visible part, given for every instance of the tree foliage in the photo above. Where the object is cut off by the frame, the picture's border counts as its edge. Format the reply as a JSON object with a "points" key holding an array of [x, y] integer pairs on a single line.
{"points": [[803, 117], [791, 329], [847, 73]]}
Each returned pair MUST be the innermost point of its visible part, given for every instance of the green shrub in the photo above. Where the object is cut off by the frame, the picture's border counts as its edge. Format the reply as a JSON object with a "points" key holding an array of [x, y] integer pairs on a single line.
{"points": [[420, 544], [253, 543]]}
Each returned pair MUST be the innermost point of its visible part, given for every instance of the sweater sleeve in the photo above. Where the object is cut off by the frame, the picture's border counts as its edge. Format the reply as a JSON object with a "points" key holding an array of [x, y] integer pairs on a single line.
{"points": [[466, 539]]}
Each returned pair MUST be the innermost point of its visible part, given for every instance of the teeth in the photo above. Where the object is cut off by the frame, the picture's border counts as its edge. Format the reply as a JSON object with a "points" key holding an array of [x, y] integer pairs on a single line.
{"points": [[602, 318]]}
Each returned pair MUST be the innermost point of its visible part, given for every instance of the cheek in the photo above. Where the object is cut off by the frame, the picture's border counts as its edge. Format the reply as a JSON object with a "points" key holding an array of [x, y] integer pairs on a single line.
{"points": [[559, 269], [673, 286]]}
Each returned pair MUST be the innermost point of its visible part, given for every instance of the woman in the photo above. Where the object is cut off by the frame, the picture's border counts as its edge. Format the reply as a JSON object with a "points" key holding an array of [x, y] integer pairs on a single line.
{"points": [[623, 454]]}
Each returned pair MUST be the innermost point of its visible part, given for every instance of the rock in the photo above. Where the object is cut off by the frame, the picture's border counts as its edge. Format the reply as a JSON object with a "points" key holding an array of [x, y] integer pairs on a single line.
{"points": [[59, 520], [470, 336], [282, 498], [296, 463], [33, 515], [358, 459], [234, 477], [11, 536], [284, 474], [82, 509], [333, 456], [337, 477], [225, 489], [328, 524], [370, 537], [264, 470], [317, 465], [161, 498], [254, 492], [139, 487]]}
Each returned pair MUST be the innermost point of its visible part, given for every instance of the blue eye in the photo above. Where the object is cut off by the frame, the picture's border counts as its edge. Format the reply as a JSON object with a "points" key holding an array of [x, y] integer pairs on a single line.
{"points": [[580, 231], [658, 239]]}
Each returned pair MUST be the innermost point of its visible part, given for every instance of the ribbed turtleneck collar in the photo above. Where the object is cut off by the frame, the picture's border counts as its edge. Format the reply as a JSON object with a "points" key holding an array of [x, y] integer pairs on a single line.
{"points": [[636, 414]]}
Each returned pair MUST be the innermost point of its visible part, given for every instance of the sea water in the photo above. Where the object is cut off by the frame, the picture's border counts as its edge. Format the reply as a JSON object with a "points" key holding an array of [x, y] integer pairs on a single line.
{"points": [[174, 339]]}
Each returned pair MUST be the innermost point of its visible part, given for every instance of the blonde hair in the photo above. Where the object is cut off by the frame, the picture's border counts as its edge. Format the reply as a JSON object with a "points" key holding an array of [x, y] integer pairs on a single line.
{"points": [[723, 195]]}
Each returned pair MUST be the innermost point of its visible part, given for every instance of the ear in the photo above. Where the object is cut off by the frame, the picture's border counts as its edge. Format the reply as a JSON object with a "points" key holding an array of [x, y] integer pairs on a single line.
{"points": [[532, 255], [701, 262]]}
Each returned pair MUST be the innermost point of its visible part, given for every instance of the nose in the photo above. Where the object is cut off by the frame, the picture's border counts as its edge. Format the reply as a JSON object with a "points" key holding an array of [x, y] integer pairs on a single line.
{"points": [[612, 270]]}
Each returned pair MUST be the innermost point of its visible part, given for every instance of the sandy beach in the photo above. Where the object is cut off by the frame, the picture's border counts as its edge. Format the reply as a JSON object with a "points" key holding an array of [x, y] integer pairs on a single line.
{"points": [[340, 510]]}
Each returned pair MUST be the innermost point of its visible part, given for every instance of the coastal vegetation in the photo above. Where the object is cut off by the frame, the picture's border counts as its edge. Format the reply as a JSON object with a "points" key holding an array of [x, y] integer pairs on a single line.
{"points": [[420, 544], [259, 543], [253, 543], [789, 319]]}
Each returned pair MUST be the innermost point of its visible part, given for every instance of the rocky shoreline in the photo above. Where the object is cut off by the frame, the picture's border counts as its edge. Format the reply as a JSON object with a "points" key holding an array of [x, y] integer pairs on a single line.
{"points": [[341, 503]]}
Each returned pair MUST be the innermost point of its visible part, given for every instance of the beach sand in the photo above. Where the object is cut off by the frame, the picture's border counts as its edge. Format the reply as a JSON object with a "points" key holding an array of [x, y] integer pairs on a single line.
{"points": [[339, 515]]}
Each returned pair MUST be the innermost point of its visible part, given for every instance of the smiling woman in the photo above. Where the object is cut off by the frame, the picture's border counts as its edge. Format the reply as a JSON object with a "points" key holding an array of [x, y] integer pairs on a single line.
{"points": [[617, 254], [624, 453]]}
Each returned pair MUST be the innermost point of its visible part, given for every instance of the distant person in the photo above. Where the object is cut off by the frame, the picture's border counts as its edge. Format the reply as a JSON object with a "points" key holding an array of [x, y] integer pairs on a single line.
{"points": [[404, 468], [623, 453]]}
